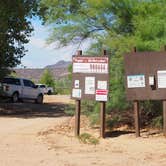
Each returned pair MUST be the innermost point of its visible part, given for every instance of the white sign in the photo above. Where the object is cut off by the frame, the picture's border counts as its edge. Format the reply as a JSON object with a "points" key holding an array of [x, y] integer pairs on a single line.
{"points": [[76, 93], [90, 65], [161, 75], [102, 85], [101, 95], [89, 85], [151, 80], [76, 84], [136, 81]]}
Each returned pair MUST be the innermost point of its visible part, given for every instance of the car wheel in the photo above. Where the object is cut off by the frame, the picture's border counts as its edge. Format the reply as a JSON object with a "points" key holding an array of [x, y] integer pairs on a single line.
{"points": [[49, 92], [39, 99], [15, 97]]}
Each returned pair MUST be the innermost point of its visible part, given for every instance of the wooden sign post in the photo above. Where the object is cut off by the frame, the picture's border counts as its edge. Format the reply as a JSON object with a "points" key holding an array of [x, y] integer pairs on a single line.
{"points": [[102, 112], [90, 81], [102, 119], [145, 77], [78, 109], [164, 117], [137, 118], [136, 112]]}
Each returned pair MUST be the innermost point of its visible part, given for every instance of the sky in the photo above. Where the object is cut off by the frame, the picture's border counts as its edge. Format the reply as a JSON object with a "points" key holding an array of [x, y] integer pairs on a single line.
{"points": [[41, 54]]}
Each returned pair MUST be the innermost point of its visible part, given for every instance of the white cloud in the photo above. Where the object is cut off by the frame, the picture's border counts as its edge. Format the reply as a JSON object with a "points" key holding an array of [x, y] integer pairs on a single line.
{"points": [[37, 42], [40, 54]]}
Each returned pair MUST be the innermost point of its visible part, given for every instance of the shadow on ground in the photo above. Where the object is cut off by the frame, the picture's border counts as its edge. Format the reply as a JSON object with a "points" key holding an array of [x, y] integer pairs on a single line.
{"points": [[143, 134], [32, 110], [117, 133]]}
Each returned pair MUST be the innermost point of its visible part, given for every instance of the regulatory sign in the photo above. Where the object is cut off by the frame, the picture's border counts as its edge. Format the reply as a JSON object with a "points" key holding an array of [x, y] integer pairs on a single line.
{"points": [[101, 95]]}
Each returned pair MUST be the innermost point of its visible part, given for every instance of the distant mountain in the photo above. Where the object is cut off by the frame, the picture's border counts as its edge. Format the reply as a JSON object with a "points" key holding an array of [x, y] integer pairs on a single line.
{"points": [[60, 64], [58, 70]]}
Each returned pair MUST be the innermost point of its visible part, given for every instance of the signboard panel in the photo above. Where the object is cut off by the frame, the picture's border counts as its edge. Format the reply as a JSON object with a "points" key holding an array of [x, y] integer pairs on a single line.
{"points": [[145, 76], [161, 75], [76, 93], [136, 81], [102, 85], [101, 95], [90, 85], [90, 74], [90, 65]]}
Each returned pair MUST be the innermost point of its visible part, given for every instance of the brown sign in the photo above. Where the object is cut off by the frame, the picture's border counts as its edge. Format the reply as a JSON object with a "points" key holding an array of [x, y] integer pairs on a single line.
{"points": [[90, 75], [145, 76]]}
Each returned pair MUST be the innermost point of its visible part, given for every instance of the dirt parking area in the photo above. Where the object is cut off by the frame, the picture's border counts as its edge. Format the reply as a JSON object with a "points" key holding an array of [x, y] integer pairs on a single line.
{"points": [[40, 135]]}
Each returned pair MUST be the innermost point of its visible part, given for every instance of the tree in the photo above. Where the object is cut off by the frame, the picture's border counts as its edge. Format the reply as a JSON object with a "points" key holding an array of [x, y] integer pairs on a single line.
{"points": [[15, 28], [117, 25], [47, 78]]}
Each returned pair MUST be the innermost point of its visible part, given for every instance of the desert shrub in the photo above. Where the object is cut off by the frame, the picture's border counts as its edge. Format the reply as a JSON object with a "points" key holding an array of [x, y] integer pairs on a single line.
{"points": [[151, 113], [63, 86], [157, 122], [86, 138], [92, 110], [70, 110], [113, 122]]}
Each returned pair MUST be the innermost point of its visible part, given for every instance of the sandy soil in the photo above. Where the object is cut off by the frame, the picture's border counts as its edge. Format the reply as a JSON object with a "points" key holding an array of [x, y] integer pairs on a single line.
{"points": [[38, 135]]}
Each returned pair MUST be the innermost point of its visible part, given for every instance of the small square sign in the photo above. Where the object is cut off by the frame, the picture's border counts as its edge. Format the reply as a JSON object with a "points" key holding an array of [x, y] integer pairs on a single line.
{"points": [[101, 95]]}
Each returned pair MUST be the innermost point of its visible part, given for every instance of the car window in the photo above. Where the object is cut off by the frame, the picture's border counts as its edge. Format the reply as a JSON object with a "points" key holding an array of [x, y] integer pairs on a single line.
{"points": [[29, 83], [13, 81], [42, 86]]}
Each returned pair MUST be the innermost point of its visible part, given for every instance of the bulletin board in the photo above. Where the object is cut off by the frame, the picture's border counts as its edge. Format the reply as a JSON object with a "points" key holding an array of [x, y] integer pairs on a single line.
{"points": [[90, 78], [145, 76]]}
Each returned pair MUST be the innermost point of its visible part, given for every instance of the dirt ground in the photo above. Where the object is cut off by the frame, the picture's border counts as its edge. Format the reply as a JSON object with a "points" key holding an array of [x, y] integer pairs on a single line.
{"points": [[40, 135]]}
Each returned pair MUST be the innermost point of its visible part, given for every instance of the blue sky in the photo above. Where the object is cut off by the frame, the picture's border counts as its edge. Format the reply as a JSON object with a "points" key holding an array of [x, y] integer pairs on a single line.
{"points": [[40, 54]]}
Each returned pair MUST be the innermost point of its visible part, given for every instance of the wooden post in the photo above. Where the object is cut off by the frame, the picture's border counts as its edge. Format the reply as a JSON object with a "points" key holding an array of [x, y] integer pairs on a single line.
{"points": [[102, 119], [78, 109], [134, 49], [164, 117], [77, 117], [102, 112], [136, 111], [136, 118], [104, 52]]}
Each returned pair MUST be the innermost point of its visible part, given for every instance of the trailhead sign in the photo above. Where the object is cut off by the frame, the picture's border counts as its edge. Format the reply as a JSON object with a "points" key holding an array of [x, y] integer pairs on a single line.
{"points": [[90, 78], [145, 79], [90, 81], [145, 75]]}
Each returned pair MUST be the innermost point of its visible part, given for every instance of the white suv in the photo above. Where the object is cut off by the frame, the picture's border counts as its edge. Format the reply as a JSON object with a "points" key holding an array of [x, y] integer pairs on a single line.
{"points": [[45, 89], [20, 88]]}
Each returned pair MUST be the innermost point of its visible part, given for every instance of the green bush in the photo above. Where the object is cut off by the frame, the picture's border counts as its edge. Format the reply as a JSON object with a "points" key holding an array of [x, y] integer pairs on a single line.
{"points": [[157, 122], [63, 86], [70, 110], [86, 138], [113, 122], [92, 110]]}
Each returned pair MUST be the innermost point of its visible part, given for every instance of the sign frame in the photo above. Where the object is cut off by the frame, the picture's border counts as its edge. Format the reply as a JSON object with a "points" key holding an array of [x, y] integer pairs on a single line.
{"points": [[147, 64], [93, 70]]}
